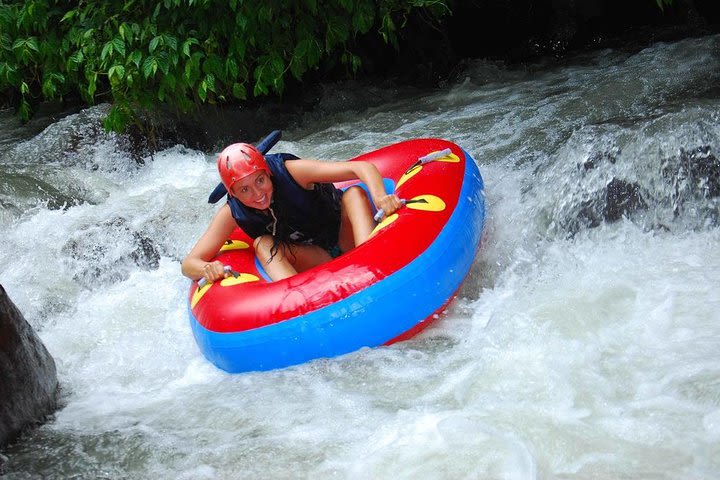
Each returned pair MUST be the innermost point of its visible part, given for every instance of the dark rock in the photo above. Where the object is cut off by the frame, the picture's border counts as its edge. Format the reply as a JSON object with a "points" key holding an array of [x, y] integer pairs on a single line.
{"points": [[693, 175], [211, 128], [108, 252], [598, 158], [619, 198], [701, 169], [622, 198], [145, 255], [28, 379], [588, 216]]}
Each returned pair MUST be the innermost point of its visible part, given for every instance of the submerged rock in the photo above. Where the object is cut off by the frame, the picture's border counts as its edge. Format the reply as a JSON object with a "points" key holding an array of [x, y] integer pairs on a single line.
{"points": [[108, 252], [622, 198], [618, 199], [28, 379], [694, 179], [698, 170]]}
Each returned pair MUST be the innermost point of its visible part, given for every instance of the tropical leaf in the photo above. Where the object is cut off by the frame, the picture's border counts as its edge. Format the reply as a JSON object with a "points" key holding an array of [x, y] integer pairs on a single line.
{"points": [[183, 52]]}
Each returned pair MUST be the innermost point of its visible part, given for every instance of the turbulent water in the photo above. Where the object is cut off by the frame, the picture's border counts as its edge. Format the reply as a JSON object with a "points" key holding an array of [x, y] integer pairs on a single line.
{"points": [[585, 342]]}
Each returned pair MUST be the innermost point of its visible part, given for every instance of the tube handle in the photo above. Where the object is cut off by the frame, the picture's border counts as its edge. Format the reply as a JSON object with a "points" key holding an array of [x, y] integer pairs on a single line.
{"points": [[381, 213], [434, 156], [202, 282]]}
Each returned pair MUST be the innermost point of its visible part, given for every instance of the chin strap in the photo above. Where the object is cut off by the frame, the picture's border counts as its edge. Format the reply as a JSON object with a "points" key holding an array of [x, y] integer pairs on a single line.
{"points": [[275, 220]]}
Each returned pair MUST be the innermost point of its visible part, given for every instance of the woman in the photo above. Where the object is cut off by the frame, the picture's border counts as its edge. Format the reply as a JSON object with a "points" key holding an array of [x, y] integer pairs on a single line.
{"points": [[297, 218]]}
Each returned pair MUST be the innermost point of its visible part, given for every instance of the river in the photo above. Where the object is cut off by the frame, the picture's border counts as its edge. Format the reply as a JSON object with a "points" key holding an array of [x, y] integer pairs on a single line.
{"points": [[584, 344]]}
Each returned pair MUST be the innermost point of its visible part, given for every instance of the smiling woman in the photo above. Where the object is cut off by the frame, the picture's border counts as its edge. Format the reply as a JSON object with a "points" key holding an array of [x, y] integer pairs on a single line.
{"points": [[296, 218], [245, 316]]}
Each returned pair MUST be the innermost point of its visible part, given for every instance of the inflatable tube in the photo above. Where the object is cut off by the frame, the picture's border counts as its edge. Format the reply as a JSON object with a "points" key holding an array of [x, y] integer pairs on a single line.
{"points": [[385, 290]]}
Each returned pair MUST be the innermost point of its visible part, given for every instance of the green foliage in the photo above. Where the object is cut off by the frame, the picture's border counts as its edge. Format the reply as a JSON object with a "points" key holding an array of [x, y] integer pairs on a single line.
{"points": [[664, 3], [139, 54]]}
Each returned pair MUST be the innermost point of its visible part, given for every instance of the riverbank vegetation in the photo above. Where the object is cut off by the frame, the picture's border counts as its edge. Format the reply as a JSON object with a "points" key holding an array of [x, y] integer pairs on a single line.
{"points": [[139, 55]]}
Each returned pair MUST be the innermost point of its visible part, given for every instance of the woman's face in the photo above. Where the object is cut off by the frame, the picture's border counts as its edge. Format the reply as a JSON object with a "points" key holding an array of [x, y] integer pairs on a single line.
{"points": [[255, 190]]}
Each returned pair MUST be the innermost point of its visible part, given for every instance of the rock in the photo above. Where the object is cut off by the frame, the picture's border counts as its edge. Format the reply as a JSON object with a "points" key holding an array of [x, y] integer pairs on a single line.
{"points": [[700, 170], [108, 252], [619, 198], [28, 379], [694, 178], [622, 198]]}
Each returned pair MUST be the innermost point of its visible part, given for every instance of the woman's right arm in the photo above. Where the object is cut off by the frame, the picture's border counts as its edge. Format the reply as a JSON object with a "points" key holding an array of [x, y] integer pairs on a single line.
{"points": [[197, 264]]}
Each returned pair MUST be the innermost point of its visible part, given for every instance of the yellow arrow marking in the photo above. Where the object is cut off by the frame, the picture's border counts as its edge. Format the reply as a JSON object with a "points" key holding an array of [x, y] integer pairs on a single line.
{"points": [[451, 158], [225, 282], [431, 203], [386, 221], [241, 278], [199, 294], [234, 245], [408, 175]]}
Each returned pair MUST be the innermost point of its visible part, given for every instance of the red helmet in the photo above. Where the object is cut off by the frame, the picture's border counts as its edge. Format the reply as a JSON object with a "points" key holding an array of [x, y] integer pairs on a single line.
{"points": [[238, 161]]}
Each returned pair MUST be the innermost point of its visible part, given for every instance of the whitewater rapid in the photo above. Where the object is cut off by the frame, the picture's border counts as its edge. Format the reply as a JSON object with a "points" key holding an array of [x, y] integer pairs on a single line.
{"points": [[583, 344]]}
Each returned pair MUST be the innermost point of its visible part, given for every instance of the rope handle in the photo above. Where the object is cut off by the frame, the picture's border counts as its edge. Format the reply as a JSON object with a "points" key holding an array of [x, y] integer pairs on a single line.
{"points": [[202, 282], [420, 161], [429, 158], [381, 213], [403, 201]]}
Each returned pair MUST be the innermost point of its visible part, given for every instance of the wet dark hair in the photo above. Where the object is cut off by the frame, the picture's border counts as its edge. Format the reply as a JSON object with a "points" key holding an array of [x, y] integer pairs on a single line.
{"points": [[281, 234], [327, 198]]}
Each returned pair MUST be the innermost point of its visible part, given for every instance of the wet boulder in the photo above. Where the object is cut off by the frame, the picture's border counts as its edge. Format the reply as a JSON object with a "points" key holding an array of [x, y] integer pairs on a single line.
{"points": [[699, 170], [108, 252], [622, 198], [694, 178], [618, 199], [28, 379]]}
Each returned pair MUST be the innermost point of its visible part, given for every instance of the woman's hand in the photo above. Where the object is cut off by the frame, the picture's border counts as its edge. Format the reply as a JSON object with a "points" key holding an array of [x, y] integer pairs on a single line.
{"points": [[213, 271], [388, 203], [198, 264]]}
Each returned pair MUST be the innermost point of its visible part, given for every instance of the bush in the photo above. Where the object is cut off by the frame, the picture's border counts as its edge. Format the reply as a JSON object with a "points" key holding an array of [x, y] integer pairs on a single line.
{"points": [[139, 54]]}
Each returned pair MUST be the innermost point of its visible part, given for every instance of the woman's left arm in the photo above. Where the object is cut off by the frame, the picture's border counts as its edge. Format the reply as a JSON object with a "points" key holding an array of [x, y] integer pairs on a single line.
{"points": [[308, 172]]}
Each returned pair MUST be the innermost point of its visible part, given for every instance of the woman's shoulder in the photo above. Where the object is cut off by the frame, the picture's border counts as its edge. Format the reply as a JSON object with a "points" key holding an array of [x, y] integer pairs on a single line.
{"points": [[278, 160], [300, 171]]}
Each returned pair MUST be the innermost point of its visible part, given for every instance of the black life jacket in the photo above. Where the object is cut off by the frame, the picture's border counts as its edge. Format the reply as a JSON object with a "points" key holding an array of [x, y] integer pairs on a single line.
{"points": [[297, 215]]}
